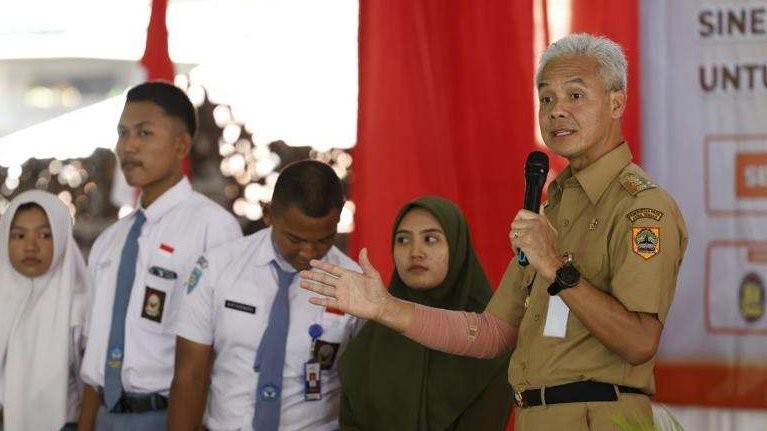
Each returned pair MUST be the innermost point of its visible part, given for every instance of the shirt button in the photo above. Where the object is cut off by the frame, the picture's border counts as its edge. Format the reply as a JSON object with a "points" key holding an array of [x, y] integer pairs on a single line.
{"points": [[523, 365], [566, 222], [537, 317]]}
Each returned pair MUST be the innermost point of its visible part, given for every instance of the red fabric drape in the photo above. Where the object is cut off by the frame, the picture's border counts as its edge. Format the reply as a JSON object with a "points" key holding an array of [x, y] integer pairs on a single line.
{"points": [[618, 20], [446, 108], [156, 59]]}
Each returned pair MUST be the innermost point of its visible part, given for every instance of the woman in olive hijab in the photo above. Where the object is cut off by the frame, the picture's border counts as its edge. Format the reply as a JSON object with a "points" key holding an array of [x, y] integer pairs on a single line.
{"points": [[393, 383]]}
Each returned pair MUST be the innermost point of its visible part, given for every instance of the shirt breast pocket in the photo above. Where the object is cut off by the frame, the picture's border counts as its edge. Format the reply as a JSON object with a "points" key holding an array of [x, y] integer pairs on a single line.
{"points": [[101, 269], [336, 330], [592, 268], [242, 320], [157, 307]]}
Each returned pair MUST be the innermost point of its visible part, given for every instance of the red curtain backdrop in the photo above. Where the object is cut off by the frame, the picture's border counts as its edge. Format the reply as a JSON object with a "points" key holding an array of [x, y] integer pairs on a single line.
{"points": [[445, 108], [156, 60], [618, 20]]}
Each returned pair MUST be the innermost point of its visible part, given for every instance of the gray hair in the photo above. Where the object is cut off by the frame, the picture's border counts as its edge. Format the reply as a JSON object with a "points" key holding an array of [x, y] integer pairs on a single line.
{"points": [[612, 61]]}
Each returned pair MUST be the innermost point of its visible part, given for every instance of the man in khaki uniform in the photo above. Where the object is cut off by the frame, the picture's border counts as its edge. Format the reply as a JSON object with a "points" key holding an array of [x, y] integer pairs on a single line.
{"points": [[623, 234], [586, 316], [626, 237]]}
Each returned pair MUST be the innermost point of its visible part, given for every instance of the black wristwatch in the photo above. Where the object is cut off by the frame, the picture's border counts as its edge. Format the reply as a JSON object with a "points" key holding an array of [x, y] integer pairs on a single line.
{"points": [[567, 276]]}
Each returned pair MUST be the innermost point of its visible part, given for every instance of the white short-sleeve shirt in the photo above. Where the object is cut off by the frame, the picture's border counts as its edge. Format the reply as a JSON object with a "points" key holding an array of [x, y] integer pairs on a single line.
{"points": [[227, 306], [180, 225]]}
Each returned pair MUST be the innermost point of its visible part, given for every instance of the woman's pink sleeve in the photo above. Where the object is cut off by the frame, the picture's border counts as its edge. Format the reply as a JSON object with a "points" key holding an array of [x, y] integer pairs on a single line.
{"points": [[460, 332]]}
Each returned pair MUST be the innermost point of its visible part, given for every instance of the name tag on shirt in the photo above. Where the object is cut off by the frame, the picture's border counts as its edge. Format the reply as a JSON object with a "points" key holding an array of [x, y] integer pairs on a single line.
{"points": [[163, 273], [240, 306], [556, 318]]}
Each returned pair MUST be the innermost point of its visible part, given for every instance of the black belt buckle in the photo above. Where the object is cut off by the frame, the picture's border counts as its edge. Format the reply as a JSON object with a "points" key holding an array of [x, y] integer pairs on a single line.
{"points": [[141, 403]]}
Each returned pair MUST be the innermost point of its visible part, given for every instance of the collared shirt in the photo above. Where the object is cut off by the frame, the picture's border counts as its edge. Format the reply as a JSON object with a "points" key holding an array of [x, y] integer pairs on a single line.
{"points": [[627, 237], [228, 305], [180, 225]]}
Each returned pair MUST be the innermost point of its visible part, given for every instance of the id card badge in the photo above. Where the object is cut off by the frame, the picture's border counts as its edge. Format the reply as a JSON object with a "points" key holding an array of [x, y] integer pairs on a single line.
{"points": [[313, 369], [312, 381]]}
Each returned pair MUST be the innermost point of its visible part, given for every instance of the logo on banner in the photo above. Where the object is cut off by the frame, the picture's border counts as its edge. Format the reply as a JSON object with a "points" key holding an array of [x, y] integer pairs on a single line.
{"points": [[646, 241], [751, 172], [751, 297]]}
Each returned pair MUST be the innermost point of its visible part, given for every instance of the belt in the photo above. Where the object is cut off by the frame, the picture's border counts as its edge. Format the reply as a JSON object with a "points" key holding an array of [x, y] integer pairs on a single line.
{"points": [[140, 403], [576, 392]]}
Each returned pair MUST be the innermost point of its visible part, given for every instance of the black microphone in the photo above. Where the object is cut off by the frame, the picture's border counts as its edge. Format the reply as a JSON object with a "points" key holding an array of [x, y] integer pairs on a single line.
{"points": [[536, 170]]}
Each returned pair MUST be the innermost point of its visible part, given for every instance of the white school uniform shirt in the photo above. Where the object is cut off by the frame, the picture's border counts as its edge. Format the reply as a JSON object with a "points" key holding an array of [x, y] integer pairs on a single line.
{"points": [[180, 225], [227, 306]]}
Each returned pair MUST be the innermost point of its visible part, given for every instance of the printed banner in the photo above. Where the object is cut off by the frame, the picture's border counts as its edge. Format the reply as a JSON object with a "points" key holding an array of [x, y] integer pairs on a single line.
{"points": [[704, 108]]}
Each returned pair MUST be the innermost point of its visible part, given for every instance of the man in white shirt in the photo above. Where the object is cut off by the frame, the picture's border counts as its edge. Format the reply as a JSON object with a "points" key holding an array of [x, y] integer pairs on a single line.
{"points": [[139, 265], [233, 298]]}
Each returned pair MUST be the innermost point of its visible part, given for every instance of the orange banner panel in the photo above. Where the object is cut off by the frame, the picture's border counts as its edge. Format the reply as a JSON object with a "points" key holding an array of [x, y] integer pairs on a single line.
{"points": [[751, 172], [712, 385]]}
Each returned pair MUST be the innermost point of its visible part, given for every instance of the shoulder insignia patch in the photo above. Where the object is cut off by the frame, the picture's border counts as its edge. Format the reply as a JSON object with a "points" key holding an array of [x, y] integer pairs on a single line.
{"points": [[650, 213], [634, 184], [645, 241]]}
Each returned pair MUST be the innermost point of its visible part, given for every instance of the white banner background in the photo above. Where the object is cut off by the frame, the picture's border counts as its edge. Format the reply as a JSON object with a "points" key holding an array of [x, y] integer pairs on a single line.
{"points": [[704, 111]]}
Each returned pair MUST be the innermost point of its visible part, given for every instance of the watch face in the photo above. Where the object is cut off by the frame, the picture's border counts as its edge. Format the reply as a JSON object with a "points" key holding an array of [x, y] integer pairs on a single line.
{"points": [[568, 275]]}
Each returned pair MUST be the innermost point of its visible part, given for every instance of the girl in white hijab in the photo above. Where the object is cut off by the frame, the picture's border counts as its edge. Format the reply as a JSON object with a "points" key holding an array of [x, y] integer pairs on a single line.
{"points": [[44, 291]]}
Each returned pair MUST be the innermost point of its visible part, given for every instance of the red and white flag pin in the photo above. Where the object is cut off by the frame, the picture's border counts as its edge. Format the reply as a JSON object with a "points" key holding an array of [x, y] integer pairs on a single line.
{"points": [[166, 249]]}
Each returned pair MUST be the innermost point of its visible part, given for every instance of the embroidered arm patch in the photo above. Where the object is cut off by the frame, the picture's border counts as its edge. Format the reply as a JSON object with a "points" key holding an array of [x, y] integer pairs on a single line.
{"points": [[649, 213], [645, 241]]}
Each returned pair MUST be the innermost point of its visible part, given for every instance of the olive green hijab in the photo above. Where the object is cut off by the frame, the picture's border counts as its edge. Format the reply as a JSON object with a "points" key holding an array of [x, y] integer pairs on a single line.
{"points": [[390, 382]]}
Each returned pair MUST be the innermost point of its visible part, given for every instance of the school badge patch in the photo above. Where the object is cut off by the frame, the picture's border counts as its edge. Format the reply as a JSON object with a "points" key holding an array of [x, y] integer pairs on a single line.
{"points": [[645, 241], [194, 277], [154, 304], [325, 353]]}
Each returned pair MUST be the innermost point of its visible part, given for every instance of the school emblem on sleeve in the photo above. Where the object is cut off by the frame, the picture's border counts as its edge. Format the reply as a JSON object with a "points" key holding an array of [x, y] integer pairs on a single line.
{"points": [[193, 279], [645, 241]]}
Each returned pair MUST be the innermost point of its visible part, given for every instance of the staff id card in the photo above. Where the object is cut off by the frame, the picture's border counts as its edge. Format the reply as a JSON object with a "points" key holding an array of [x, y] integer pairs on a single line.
{"points": [[312, 381], [556, 318], [313, 369]]}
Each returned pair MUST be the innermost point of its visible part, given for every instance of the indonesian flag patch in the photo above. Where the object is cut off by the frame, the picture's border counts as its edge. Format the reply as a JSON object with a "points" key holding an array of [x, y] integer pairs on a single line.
{"points": [[166, 249]]}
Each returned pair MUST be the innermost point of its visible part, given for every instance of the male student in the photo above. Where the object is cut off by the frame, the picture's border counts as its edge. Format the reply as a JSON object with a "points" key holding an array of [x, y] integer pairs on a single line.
{"points": [[248, 338], [139, 265]]}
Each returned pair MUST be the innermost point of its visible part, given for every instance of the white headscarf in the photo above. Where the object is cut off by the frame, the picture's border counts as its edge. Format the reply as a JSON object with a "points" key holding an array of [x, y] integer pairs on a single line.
{"points": [[36, 317]]}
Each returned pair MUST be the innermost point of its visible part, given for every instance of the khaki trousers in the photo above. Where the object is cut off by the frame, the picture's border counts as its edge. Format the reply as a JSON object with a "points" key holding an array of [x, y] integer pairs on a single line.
{"points": [[593, 416]]}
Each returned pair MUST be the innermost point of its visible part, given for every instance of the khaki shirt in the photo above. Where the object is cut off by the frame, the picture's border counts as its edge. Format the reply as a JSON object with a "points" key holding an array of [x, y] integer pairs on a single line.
{"points": [[627, 238]]}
